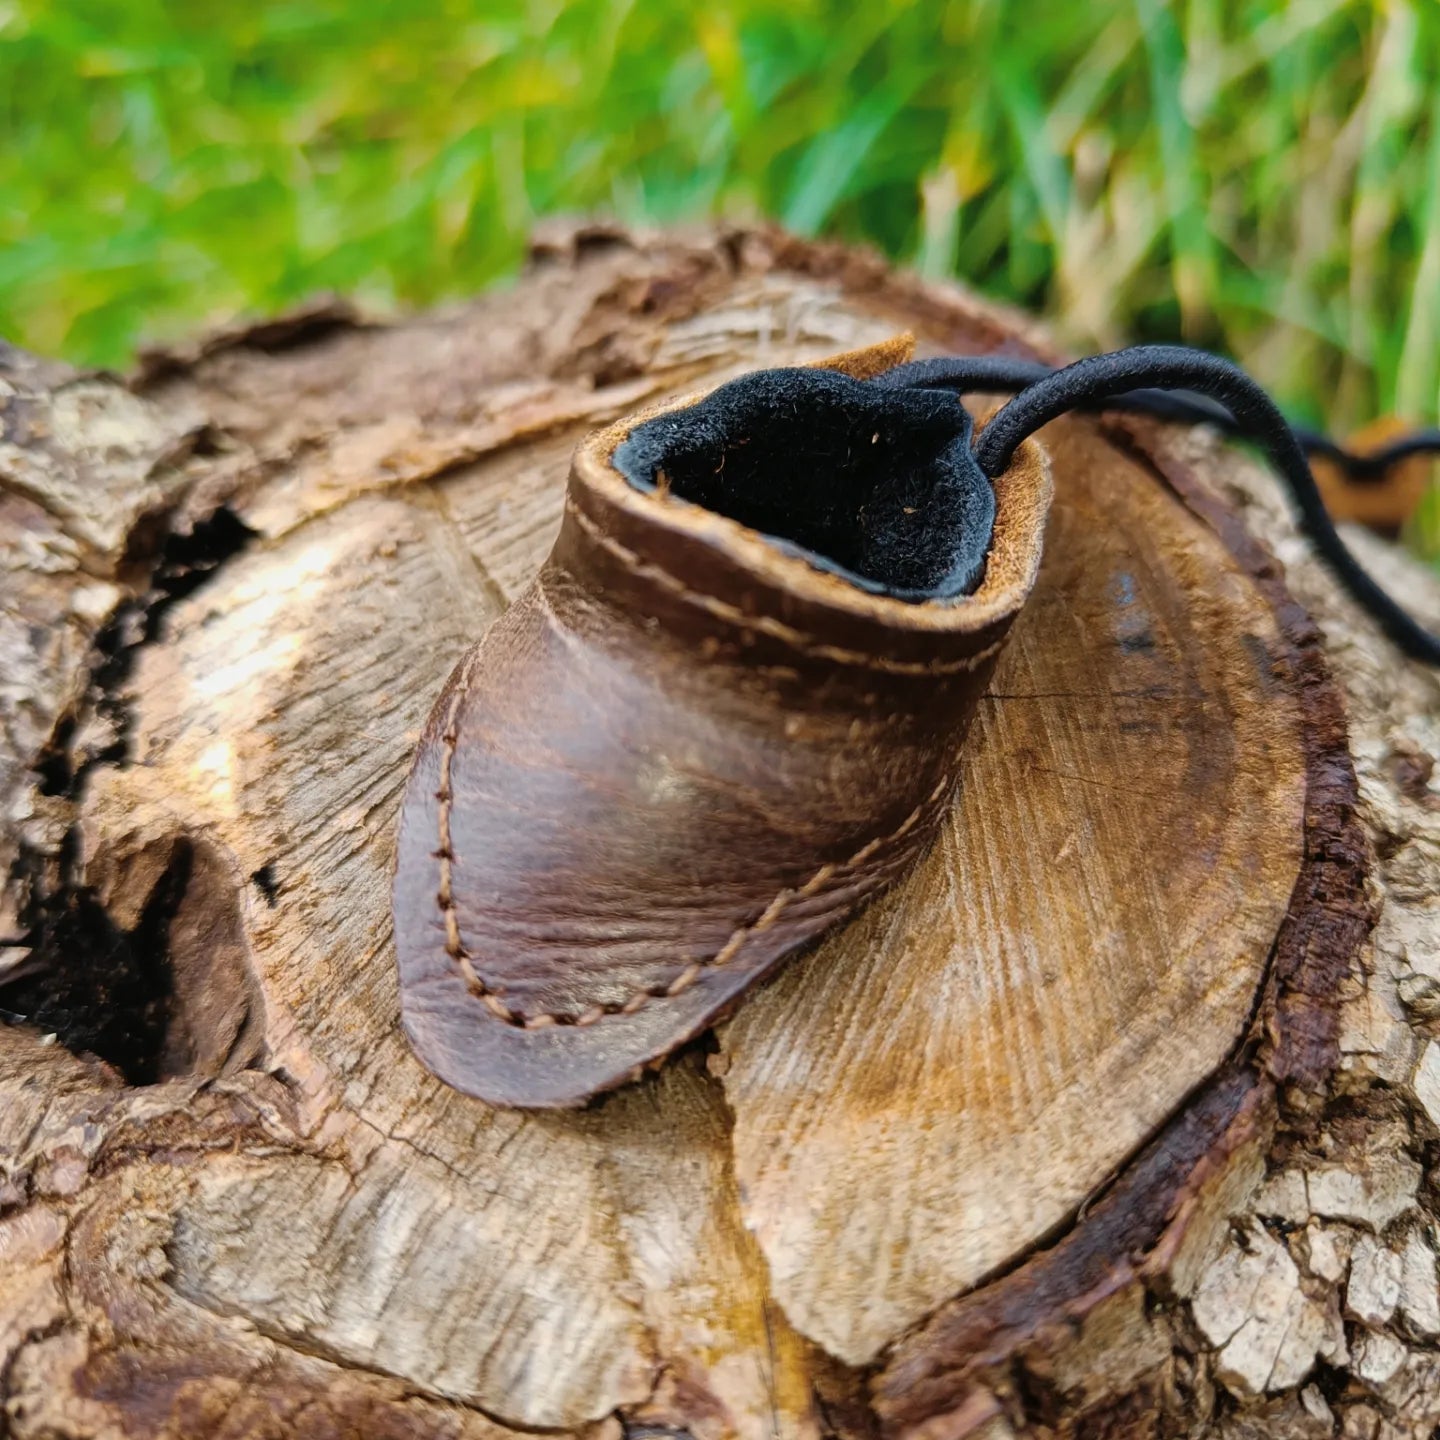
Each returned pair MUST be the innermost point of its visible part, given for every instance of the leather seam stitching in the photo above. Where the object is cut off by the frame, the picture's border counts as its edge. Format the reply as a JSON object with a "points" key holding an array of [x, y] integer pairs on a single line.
{"points": [[476, 985], [763, 624]]}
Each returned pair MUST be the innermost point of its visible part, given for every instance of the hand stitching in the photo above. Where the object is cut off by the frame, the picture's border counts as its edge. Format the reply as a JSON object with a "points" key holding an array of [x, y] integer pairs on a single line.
{"points": [[461, 959], [764, 624]]}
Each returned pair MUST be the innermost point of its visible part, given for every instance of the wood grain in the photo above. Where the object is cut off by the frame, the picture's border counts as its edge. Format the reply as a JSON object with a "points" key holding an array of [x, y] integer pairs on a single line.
{"points": [[940, 1085]]}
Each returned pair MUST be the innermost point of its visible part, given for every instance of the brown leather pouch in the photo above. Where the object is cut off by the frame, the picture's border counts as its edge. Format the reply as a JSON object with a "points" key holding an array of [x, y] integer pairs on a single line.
{"points": [[691, 747]]}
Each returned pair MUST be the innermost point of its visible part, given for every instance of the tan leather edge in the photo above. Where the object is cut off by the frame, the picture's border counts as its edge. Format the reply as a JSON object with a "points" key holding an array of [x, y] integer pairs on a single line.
{"points": [[1023, 495]]}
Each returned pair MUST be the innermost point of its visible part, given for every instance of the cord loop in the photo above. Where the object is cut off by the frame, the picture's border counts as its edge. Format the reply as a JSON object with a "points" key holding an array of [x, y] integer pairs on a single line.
{"points": [[1176, 383]]}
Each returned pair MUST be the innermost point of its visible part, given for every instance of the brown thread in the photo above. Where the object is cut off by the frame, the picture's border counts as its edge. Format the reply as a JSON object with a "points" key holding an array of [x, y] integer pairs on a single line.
{"points": [[450, 739], [798, 640], [444, 895], [455, 949]]}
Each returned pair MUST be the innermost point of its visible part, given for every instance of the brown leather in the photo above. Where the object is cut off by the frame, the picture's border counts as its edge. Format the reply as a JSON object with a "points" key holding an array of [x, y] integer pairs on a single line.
{"points": [[1384, 503], [678, 758]]}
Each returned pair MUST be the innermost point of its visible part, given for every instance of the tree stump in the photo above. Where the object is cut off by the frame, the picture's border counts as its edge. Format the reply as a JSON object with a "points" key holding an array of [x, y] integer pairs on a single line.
{"points": [[1118, 1115]]}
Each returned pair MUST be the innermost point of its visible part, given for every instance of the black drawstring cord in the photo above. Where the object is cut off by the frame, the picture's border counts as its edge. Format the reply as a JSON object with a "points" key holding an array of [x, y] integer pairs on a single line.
{"points": [[1213, 391], [999, 374]]}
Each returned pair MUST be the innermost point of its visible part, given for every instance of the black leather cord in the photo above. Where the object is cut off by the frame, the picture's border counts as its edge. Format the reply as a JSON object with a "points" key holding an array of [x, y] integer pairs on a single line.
{"points": [[1177, 383], [1002, 375]]}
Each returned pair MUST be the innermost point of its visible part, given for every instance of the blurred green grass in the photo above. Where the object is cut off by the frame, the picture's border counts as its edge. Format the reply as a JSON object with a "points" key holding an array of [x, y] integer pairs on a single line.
{"points": [[1257, 176]]}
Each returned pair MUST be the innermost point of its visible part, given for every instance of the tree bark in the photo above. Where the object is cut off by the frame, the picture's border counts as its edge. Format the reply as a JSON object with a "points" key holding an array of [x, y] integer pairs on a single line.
{"points": [[1118, 1115]]}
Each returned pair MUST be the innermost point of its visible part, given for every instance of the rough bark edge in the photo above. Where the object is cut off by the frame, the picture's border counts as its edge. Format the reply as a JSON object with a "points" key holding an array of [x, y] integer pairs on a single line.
{"points": [[302, 324], [974, 1342]]}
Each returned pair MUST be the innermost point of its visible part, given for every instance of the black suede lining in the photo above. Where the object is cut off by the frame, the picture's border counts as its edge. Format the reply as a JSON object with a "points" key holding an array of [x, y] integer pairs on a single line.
{"points": [[878, 485]]}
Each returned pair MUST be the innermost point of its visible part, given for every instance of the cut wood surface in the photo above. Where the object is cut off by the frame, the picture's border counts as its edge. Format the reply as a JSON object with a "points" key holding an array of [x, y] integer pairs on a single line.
{"points": [[1069, 1129], [941, 1084]]}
